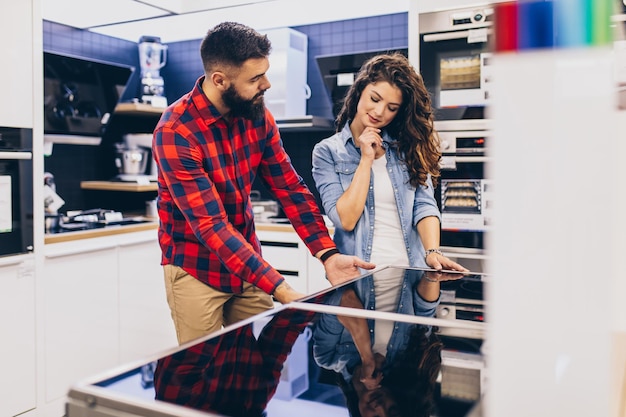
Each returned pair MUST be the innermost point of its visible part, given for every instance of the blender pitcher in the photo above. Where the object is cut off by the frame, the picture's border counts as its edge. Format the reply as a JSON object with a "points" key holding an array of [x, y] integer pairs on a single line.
{"points": [[152, 55]]}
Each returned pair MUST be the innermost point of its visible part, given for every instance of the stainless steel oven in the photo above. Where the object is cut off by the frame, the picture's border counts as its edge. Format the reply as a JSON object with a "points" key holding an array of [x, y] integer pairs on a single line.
{"points": [[454, 56], [465, 194], [16, 191]]}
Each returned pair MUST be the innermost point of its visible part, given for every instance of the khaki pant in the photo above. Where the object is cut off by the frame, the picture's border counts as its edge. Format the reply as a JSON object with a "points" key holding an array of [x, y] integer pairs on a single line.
{"points": [[198, 309]]}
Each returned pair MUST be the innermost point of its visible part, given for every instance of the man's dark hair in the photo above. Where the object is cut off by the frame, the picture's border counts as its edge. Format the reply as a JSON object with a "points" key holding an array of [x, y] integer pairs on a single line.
{"points": [[231, 44]]}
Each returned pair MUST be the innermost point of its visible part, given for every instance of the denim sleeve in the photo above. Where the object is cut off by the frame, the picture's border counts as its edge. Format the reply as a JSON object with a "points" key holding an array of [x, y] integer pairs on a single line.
{"points": [[425, 203], [326, 179]]}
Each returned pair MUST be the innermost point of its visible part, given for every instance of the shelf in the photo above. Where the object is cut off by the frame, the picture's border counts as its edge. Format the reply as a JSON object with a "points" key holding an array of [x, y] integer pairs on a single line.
{"points": [[305, 124], [140, 109], [118, 186]]}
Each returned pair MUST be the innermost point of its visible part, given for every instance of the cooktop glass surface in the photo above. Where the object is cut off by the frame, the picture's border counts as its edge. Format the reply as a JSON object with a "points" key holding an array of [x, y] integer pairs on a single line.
{"points": [[371, 347]]}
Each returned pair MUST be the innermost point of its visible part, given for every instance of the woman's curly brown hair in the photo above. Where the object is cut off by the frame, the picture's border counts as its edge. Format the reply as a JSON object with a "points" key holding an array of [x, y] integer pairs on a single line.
{"points": [[417, 141]]}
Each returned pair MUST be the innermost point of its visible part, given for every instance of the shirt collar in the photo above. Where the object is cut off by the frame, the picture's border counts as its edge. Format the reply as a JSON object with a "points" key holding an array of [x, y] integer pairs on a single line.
{"points": [[206, 109]]}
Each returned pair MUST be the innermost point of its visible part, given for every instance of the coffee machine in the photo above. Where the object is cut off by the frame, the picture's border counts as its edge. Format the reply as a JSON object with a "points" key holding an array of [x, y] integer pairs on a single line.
{"points": [[152, 57]]}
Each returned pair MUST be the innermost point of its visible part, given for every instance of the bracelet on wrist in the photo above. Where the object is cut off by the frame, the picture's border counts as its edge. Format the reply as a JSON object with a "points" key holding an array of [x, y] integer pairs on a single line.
{"points": [[328, 254], [434, 250]]}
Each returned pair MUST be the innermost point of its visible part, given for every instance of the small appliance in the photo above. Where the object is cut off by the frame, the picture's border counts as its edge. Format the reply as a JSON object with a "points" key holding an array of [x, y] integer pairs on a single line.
{"points": [[152, 57], [133, 159]]}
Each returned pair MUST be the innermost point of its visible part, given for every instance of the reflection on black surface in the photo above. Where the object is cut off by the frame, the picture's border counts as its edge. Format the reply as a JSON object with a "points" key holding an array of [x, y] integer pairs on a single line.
{"points": [[384, 367], [337, 364], [235, 374]]}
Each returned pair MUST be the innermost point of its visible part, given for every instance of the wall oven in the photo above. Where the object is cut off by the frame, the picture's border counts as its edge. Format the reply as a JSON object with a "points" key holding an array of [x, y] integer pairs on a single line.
{"points": [[16, 191], [454, 57], [464, 194]]}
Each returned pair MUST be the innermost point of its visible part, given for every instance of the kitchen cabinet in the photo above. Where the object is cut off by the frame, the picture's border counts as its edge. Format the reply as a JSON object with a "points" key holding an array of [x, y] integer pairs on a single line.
{"points": [[288, 255], [285, 251], [104, 306], [145, 322], [17, 309], [16, 82], [81, 312]]}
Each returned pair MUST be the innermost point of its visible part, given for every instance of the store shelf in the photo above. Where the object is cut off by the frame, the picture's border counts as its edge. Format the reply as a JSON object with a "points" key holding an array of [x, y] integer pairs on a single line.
{"points": [[118, 186], [137, 109]]}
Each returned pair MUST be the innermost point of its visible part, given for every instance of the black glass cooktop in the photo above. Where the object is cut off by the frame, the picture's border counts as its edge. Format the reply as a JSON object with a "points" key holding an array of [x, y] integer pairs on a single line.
{"points": [[370, 347]]}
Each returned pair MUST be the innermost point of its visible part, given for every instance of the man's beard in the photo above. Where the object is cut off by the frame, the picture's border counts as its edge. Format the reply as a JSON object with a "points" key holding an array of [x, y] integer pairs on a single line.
{"points": [[240, 107]]}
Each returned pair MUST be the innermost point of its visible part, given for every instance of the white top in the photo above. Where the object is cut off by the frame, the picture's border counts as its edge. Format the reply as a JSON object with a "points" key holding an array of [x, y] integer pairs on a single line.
{"points": [[388, 245], [387, 248]]}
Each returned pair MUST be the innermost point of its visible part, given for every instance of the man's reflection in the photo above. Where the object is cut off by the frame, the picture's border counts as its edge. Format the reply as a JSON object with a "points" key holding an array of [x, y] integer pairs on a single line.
{"points": [[234, 374], [385, 368]]}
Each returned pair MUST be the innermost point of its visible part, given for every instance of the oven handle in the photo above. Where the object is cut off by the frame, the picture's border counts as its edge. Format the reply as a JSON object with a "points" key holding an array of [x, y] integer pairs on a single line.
{"points": [[468, 159], [16, 155], [446, 36]]}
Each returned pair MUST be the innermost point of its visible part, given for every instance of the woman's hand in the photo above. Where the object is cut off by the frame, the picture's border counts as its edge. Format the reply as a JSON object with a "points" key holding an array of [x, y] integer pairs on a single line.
{"points": [[371, 373], [371, 143], [438, 261]]}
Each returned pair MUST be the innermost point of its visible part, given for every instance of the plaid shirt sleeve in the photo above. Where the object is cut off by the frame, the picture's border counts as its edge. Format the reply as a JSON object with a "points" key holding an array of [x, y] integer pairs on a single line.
{"points": [[297, 201], [206, 168], [233, 374], [187, 184]]}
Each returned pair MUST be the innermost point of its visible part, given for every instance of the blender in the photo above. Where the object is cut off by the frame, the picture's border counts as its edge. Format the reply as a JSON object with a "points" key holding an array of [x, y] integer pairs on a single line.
{"points": [[152, 57]]}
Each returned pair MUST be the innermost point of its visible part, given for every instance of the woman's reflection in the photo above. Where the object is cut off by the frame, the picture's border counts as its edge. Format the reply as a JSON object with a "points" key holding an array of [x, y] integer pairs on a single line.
{"points": [[234, 374], [386, 368]]}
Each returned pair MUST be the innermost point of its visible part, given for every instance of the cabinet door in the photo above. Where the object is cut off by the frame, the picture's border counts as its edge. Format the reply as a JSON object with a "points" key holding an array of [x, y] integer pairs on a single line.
{"points": [[16, 82], [146, 325], [17, 326], [81, 330]]}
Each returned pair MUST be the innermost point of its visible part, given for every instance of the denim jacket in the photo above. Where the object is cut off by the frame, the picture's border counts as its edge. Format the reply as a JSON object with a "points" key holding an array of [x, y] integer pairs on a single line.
{"points": [[333, 346], [335, 160]]}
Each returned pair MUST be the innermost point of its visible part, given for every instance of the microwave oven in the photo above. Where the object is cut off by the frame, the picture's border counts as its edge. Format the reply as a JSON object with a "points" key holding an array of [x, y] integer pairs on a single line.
{"points": [[454, 60]]}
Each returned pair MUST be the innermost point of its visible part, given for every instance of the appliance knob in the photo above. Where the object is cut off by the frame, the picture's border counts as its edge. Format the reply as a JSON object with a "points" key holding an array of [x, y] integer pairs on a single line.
{"points": [[444, 311], [445, 145]]}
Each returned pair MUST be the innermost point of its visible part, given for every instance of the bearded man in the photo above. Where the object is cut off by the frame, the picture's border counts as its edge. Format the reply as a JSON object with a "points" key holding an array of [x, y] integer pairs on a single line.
{"points": [[209, 147]]}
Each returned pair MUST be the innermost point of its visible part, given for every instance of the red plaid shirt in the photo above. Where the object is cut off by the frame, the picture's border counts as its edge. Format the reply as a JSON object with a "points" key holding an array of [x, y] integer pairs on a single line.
{"points": [[207, 166], [233, 374]]}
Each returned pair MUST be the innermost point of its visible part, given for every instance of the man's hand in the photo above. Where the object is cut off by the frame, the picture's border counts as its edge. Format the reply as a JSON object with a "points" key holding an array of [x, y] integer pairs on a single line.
{"points": [[285, 294], [341, 268]]}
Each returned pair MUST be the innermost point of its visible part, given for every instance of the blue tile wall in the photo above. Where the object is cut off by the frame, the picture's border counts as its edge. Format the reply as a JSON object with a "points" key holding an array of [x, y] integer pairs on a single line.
{"points": [[184, 67], [344, 37]]}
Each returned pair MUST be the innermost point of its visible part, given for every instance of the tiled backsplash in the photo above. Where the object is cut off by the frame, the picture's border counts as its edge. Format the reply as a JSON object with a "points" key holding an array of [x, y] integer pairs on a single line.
{"points": [[184, 67]]}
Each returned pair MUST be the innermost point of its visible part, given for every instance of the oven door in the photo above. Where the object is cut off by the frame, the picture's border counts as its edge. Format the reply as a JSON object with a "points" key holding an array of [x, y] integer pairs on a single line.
{"points": [[454, 61], [16, 202], [464, 193], [464, 196]]}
